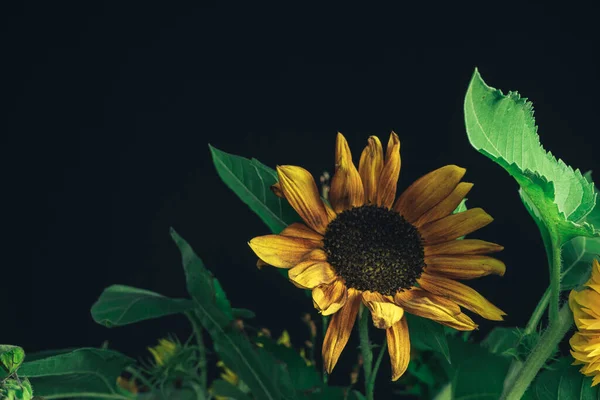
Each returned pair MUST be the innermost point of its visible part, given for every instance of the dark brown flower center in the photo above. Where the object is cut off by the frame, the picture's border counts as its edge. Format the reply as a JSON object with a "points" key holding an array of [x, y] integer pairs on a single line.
{"points": [[373, 248]]}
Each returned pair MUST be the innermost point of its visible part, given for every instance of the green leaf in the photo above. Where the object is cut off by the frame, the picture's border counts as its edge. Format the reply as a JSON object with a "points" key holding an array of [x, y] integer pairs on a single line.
{"points": [[16, 389], [242, 313], [512, 342], [563, 381], [225, 389], [428, 335], [502, 127], [121, 305], [11, 358], [232, 346], [221, 299], [252, 181], [85, 372]]}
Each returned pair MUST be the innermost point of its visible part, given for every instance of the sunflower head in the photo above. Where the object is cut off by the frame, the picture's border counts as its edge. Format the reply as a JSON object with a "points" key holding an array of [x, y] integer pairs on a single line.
{"points": [[164, 351], [585, 343], [392, 254]]}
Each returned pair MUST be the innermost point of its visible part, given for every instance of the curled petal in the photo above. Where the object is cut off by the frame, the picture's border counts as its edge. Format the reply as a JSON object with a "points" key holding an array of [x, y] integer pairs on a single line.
{"points": [[462, 295], [310, 274], [446, 206], [301, 192], [370, 167], [461, 322], [339, 330], [388, 181], [465, 246], [464, 266], [330, 298], [346, 186], [384, 311], [276, 189], [281, 251], [428, 191], [398, 341], [454, 226]]}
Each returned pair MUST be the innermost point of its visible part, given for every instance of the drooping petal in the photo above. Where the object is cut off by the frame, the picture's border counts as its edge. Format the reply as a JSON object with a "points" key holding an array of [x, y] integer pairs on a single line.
{"points": [[398, 341], [428, 191], [464, 266], [427, 305], [370, 167], [328, 299], [311, 273], [339, 330], [462, 322], [298, 229], [446, 206], [301, 192], [454, 226], [388, 181], [461, 294], [282, 251], [465, 246], [346, 186], [384, 311]]}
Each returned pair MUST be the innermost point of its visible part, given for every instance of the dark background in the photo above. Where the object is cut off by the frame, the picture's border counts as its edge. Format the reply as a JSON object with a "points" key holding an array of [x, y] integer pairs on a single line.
{"points": [[111, 108]]}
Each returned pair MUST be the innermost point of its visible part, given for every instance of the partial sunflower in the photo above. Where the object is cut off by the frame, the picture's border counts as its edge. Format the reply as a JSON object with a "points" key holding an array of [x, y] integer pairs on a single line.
{"points": [[585, 344], [395, 255]]}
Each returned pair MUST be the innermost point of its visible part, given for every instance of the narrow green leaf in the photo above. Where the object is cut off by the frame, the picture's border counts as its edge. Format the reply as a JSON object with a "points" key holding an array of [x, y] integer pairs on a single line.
{"points": [[242, 313], [563, 381], [11, 358], [225, 389], [85, 372], [233, 348], [502, 127], [428, 335], [252, 181], [221, 299], [121, 305]]}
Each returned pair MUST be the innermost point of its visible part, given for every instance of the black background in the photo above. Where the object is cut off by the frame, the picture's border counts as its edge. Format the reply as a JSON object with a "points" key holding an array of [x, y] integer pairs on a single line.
{"points": [[110, 109]]}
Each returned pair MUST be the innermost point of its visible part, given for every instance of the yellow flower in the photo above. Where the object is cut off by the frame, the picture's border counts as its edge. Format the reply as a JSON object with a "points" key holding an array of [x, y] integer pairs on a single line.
{"points": [[395, 255], [585, 344], [163, 352], [285, 339], [228, 375]]}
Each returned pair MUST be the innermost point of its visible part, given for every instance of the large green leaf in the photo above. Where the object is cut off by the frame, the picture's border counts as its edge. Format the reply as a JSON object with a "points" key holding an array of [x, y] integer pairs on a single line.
{"points": [[121, 305], [11, 358], [85, 372], [512, 342], [233, 347], [251, 181], [563, 381], [225, 389], [502, 127], [426, 334]]}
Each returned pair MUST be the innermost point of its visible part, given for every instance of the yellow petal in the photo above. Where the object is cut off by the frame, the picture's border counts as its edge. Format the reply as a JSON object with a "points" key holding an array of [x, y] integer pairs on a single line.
{"points": [[310, 274], [462, 322], [339, 330], [460, 294], [446, 206], [428, 191], [346, 186], [384, 311], [386, 187], [328, 299], [281, 251], [465, 246], [464, 266], [398, 341], [454, 226], [427, 305], [370, 167], [331, 215], [301, 192], [298, 229], [316, 255]]}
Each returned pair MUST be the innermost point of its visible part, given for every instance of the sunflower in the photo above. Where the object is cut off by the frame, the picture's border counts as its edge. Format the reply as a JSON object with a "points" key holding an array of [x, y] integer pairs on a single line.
{"points": [[585, 344], [393, 255]]}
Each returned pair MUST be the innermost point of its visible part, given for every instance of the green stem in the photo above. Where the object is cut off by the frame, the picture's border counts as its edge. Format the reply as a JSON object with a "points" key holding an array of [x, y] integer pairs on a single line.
{"points": [[555, 267], [535, 318], [201, 350], [324, 324], [540, 353], [365, 348], [371, 384]]}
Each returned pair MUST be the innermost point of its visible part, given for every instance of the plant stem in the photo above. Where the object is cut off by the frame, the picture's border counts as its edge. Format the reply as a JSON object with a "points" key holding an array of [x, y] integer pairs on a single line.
{"points": [[371, 383], [325, 322], [365, 348], [555, 267], [201, 349], [540, 353], [535, 318]]}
